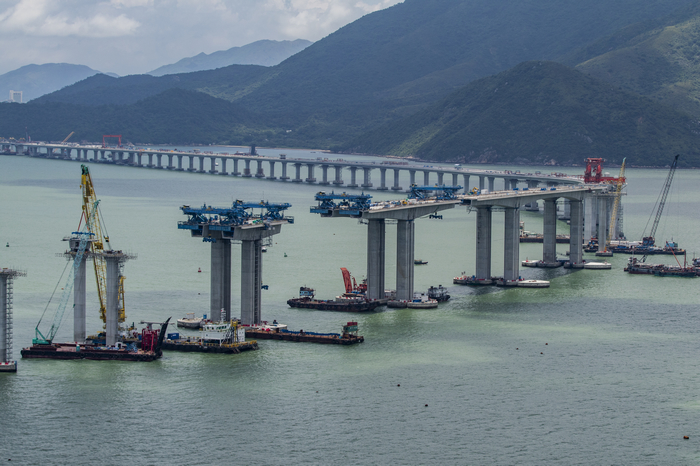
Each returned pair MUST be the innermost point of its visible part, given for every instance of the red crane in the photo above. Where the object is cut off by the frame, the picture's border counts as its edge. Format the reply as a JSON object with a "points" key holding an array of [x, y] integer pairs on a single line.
{"points": [[594, 172], [351, 285]]}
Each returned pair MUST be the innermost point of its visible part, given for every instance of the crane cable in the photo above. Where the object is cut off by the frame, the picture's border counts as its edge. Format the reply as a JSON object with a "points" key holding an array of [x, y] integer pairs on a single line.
{"points": [[54, 292]]}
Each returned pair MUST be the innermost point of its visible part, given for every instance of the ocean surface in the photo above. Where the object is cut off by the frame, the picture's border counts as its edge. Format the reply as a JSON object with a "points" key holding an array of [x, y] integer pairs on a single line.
{"points": [[601, 368]]}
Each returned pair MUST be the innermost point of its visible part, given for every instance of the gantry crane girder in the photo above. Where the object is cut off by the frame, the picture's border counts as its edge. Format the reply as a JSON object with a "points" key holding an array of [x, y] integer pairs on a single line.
{"points": [[227, 218], [351, 205], [439, 192]]}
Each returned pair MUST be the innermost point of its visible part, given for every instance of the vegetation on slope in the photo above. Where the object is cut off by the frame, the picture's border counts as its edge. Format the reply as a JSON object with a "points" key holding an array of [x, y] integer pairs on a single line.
{"points": [[539, 112]]}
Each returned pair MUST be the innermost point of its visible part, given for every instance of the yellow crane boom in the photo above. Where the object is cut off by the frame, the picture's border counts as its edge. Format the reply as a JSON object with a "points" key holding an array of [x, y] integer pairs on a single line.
{"points": [[99, 245]]}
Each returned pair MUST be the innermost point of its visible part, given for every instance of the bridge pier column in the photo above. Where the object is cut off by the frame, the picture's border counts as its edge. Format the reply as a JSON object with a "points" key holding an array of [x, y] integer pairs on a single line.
{"points": [[260, 173], [375, 258], [511, 246], [112, 300], [396, 186], [382, 178], [483, 242], [466, 183], [492, 183], [191, 168], [201, 165], [426, 178], [79, 284], [298, 179], [565, 210], [220, 296], [589, 218], [251, 281], [353, 177], [324, 175], [212, 165], [405, 247], [482, 183], [549, 240], [455, 179], [150, 160], [223, 165], [576, 234], [338, 175], [368, 180], [603, 219], [272, 171], [246, 170], [235, 168], [310, 173], [440, 177], [179, 162], [284, 176], [532, 206]]}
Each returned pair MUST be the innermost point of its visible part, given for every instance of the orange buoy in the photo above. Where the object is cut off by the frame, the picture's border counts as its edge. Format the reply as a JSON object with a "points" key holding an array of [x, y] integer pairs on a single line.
{"points": [[685, 437], [199, 269]]}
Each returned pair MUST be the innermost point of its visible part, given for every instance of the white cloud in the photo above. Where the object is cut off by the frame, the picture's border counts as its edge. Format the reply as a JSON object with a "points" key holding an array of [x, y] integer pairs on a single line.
{"points": [[136, 36]]}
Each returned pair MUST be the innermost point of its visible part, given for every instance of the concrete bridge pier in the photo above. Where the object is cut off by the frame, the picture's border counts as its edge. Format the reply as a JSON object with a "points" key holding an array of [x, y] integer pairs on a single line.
{"points": [[549, 232], [589, 218], [223, 166], [396, 186], [576, 234], [260, 173], [353, 177], [79, 287], [324, 175], [511, 246], [382, 178], [235, 168], [455, 179], [298, 179], [338, 175], [367, 179], [466, 183], [426, 178], [112, 299], [284, 176], [482, 183], [310, 173], [201, 165], [440, 177], [405, 247], [412, 174], [246, 170], [212, 166], [483, 242], [272, 171], [150, 160], [492, 183], [220, 286], [603, 219], [376, 254], [179, 163], [565, 210], [191, 169]]}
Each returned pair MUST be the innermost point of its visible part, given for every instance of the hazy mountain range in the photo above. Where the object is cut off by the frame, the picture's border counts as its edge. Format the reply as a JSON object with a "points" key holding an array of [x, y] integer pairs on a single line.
{"points": [[418, 68]]}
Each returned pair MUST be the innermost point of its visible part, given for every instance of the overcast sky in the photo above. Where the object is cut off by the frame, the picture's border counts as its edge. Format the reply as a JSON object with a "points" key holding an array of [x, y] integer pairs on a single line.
{"points": [[137, 36]]}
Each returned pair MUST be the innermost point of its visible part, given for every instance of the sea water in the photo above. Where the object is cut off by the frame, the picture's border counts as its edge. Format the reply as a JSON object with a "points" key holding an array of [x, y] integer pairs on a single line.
{"points": [[600, 368]]}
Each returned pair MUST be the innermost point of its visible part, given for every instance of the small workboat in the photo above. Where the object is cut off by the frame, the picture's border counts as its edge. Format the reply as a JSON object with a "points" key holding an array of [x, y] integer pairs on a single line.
{"points": [[422, 301], [533, 283], [190, 321], [419, 262], [598, 265]]}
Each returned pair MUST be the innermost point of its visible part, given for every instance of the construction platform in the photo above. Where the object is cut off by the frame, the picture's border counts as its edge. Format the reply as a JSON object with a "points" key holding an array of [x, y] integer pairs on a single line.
{"points": [[10, 366], [348, 337], [193, 346], [99, 353]]}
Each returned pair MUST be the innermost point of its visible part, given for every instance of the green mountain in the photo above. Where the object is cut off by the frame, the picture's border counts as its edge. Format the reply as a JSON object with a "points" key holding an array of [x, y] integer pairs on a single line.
{"points": [[659, 59], [539, 112], [37, 80], [391, 63], [262, 52]]}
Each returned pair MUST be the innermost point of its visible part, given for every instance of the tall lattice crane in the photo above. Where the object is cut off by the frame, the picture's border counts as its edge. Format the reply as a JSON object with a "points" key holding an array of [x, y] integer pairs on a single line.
{"points": [[649, 241], [99, 245]]}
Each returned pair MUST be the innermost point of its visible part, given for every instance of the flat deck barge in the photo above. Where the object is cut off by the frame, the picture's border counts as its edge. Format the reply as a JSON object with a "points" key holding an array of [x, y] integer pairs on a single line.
{"points": [[183, 345], [99, 353], [348, 337]]}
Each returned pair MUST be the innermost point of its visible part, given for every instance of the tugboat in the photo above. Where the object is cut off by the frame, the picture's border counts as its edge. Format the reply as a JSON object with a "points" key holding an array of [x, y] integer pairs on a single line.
{"points": [[421, 301], [438, 293], [419, 262]]}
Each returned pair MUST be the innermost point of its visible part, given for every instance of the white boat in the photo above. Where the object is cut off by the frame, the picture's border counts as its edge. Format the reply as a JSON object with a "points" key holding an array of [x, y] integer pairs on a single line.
{"points": [[422, 301], [190, 321], [269, 327], [533, 283], [530, 263], [222, 332], [598, 265]]}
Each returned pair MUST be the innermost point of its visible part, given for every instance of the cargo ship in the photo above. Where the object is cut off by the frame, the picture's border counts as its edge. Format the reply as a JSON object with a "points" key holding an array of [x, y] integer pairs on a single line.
{"points": [[348, 336], [151, 343], [356, 303]]}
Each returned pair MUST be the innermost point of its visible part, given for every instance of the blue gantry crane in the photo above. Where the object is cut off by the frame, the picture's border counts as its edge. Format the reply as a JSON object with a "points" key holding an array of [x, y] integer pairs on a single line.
{"points": [[226, 219], [351, 205]]}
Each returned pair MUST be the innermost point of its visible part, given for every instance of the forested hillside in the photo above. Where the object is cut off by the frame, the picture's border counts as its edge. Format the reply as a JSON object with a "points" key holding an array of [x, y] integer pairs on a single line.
{"points": [[539, 112]]}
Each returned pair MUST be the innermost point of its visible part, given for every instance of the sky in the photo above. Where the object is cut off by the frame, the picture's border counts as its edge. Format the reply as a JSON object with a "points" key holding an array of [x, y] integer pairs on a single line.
{"points": [[137, 36]]}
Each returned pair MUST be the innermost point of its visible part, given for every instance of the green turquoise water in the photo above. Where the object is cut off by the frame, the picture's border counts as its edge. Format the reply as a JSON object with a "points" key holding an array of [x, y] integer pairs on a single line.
{"points": [[601, 368]]}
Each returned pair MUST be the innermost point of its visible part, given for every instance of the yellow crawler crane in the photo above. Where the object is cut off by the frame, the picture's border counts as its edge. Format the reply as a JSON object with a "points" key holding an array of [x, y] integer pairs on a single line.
{"points": [[99, 245]]}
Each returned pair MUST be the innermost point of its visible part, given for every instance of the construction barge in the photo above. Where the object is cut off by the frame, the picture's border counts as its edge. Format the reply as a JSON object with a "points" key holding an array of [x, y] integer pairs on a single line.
{"points": [[348, 337], [215, 337], [150, 350]]}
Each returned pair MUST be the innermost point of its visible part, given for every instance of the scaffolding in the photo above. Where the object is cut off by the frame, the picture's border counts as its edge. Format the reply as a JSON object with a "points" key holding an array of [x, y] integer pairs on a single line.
{"points": [[6, 317]]}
